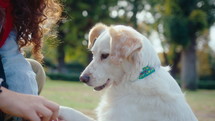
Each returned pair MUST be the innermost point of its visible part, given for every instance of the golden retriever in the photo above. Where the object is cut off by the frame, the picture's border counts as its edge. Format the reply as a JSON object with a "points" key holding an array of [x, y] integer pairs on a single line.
{"points": [[137, 87]]}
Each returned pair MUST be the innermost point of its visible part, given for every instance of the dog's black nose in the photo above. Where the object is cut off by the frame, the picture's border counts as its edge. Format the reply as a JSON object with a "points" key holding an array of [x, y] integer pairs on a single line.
{"points": [[85, 78]]}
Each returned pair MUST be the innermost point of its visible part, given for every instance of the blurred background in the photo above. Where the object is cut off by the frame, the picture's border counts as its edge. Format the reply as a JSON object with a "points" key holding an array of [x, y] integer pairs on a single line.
{"points": [[181, 31]]}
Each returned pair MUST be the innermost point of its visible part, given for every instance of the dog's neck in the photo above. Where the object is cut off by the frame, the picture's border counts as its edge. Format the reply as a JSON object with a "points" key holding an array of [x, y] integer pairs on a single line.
{"points": [[146, 71], [145, 63], [137, 63], [138, 71]]}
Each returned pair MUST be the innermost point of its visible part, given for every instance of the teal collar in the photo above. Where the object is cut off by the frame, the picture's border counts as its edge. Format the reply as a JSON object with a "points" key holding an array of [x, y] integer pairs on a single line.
{"points": [[146, 71]]}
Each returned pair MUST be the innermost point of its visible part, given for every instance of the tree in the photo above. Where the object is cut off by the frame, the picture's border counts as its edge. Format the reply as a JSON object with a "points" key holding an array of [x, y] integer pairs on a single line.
{"points": [[80, 16], [183, 22]]}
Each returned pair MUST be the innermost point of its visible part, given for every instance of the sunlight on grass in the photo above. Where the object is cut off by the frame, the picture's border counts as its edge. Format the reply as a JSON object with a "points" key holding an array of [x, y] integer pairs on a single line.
{"points": [[203, 104], [72, 94], [83, 98]]}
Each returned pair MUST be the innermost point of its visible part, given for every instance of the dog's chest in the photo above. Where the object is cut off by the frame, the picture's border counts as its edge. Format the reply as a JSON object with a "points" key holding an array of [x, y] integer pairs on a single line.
{"points": [[122, 108], [135, 108]]}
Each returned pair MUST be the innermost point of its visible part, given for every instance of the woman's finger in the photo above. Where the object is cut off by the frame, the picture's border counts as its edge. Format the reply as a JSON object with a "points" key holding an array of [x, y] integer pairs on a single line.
{"points": [[33, 116], [45, 113], [54, 108]]}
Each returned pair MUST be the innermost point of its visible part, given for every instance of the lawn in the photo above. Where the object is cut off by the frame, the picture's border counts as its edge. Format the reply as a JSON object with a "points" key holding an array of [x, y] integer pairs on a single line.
{"points": [[83, 98]]}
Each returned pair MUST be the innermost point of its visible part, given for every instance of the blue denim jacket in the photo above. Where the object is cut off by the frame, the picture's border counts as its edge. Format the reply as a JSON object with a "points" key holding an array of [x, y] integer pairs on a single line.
{"points": [[18, 72]]}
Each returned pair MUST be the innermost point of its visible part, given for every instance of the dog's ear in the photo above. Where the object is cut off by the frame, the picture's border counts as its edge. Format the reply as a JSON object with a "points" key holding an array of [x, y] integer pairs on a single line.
{"points": [[123, 44], [95, 32]]}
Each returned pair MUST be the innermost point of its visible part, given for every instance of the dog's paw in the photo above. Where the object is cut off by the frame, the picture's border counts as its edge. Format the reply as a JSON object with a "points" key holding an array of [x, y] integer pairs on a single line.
{"points": [[69, 114]]}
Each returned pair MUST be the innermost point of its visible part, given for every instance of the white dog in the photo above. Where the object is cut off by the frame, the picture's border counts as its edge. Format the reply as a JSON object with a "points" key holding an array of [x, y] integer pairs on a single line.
{"points": [[137, 87]]}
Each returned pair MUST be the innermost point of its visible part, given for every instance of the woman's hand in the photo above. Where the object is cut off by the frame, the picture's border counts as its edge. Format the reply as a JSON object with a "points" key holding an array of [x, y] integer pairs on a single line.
{"points": [[34, 108]]}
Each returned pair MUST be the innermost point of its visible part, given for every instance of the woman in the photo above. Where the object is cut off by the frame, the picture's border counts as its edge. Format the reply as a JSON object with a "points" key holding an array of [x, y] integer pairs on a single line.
{"points": [[23, 23]]}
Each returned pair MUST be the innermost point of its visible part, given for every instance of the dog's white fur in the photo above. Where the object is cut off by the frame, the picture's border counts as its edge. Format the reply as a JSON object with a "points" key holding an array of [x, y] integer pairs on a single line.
{"points": [[156, 97]]}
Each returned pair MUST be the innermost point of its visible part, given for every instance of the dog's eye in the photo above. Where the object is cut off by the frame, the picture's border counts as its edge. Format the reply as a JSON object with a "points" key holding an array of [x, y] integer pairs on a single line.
{"points": [[104, 56]]}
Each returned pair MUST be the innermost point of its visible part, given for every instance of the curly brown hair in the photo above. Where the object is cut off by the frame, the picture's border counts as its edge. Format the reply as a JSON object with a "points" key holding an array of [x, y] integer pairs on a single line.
{"points": [[32, 19]]}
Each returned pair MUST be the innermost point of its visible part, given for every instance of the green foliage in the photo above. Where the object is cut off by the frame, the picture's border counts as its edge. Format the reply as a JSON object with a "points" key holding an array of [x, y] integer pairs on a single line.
{"points": [[183, 19], [181, 23], [66, 77], [176, 29], [207, 77], [186, 6], [80, 16], [73, 71], [206, 84], [198, 20]]}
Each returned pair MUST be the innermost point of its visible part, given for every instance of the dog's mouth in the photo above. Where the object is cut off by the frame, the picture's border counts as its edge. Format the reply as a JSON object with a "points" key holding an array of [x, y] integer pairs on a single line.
{"points": [[99, 88]]}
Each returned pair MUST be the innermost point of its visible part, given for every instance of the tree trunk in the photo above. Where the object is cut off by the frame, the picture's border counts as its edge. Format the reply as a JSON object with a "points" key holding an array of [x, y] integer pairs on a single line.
{"points": [[166, 62], [175, 70], [135, 3], [189, 67], [61, 56]]}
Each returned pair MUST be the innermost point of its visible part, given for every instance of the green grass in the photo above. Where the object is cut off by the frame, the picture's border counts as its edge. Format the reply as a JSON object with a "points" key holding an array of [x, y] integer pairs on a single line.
{"points": [[203, 104], [72, 94], [81, 97]]}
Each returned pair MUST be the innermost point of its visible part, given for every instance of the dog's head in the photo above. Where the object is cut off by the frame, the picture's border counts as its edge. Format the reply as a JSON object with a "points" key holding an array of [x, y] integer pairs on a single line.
{"points": [[111, 47]]}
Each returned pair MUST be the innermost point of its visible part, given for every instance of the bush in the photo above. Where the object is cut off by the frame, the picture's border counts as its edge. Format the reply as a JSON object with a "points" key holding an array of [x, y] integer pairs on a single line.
{"points": [[210, 84], [67, 77], [207, 77], [72, 73], [203, 84]]}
